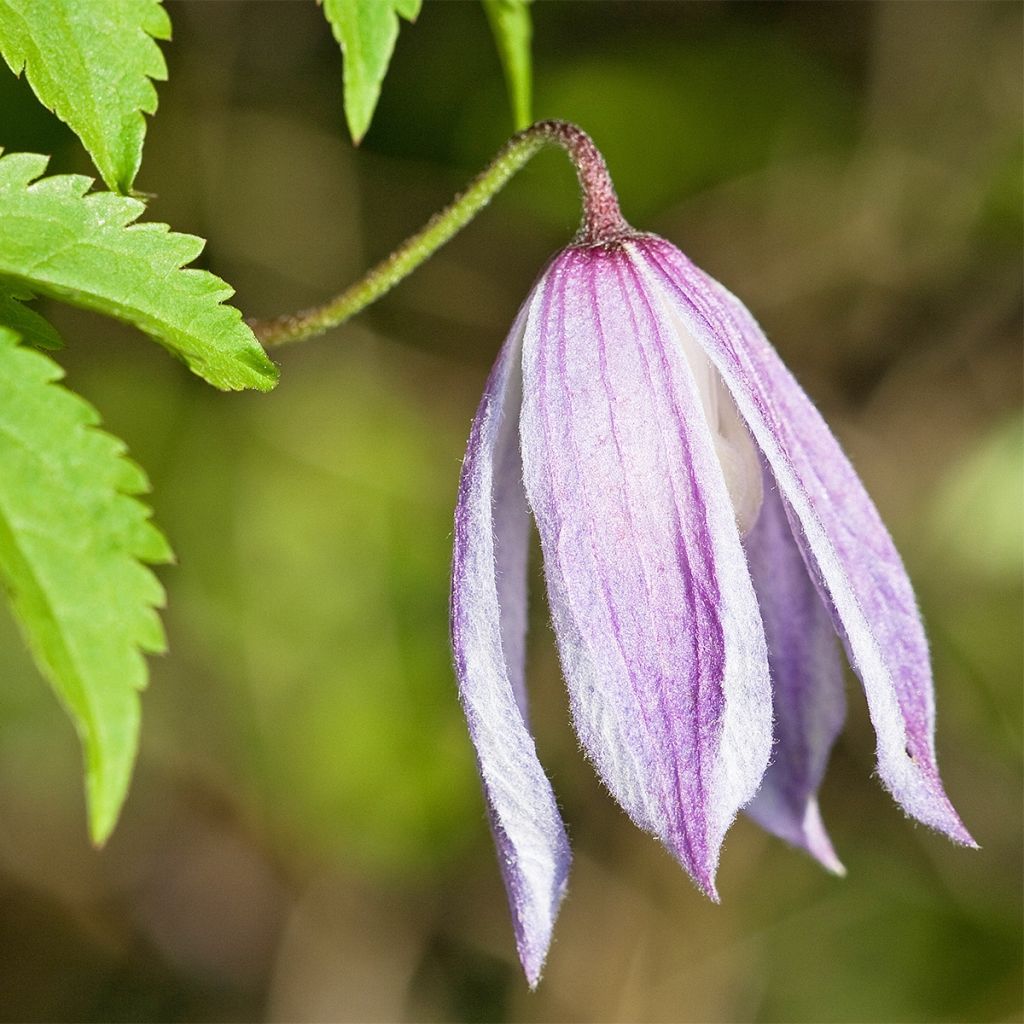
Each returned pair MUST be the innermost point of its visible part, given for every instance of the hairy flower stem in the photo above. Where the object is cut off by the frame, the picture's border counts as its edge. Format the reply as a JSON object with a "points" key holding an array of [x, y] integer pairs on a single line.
{"points": [[602, 222]]}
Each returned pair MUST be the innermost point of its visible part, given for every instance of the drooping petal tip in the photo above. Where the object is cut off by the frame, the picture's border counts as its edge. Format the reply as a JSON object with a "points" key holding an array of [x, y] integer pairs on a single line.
{"points": [[817, 842], [962, 836], [534, 909], [801, 828], [706, 884], [917, 788]]}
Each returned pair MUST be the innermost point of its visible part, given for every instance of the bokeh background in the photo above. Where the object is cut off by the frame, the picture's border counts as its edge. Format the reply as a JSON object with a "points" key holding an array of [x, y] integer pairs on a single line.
{"points": [[305, 839]]}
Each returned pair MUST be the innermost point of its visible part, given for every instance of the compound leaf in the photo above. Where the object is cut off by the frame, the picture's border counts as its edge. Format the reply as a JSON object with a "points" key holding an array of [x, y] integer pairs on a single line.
{"points": [[73, 540], [92, 63], [366, 30], [85, 249]]}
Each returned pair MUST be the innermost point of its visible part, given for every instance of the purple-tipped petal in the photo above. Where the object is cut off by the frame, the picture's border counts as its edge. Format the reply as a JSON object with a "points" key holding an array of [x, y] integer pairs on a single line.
{"points": [[488, 637], [807, 683], [843, 537], [655, 614]]}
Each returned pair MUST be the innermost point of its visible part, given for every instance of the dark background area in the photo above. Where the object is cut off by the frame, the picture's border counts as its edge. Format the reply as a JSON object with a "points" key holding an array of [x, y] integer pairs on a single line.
{"points": [[305, 839]]}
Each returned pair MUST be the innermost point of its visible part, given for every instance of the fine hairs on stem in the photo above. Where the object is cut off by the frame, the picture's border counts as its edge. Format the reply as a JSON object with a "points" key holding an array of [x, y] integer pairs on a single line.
{"points": [[602, 222]]}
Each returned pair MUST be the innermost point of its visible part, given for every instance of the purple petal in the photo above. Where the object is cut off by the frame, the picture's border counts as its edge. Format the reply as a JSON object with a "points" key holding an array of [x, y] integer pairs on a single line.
{"points": [[844, 539], [807, 683], [656, 619], [488, 636]]}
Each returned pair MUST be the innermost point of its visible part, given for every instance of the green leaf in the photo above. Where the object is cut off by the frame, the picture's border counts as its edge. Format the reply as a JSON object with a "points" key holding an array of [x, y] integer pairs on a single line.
{"points": [[85, 249], [512, 28], [91, 62], [27, 322], [73, 541], [366, 31]]}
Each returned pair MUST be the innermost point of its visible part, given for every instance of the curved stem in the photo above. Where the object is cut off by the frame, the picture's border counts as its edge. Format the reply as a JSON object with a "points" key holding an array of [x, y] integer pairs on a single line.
{"points": [[602, 222]]}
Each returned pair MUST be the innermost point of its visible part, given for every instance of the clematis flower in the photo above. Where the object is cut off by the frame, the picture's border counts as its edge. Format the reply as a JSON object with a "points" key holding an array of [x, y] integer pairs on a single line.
{"points": [[704, 540]]}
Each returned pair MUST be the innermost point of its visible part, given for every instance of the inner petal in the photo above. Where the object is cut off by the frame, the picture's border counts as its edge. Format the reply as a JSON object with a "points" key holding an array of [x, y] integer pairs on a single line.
{"points": [[733, 445]]}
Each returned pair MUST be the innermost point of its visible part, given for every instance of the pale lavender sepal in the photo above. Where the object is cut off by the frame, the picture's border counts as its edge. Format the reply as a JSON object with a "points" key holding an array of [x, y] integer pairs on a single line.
{"points": [[488, 621], [845, 542], [657, 623], [807, 683]]}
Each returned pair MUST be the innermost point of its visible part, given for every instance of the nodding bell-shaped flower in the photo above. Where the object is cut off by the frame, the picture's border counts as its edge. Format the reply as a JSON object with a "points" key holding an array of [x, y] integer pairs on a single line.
{"points": [[704, 540]]}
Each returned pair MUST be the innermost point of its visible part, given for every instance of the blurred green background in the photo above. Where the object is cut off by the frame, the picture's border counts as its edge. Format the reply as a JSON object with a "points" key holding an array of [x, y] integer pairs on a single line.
{"points": [[305, 839]]}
